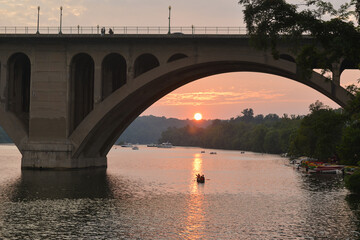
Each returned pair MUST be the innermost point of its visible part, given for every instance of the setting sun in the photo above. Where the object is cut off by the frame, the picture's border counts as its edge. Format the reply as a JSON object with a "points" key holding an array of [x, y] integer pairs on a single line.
{"points": [[197, 116]]}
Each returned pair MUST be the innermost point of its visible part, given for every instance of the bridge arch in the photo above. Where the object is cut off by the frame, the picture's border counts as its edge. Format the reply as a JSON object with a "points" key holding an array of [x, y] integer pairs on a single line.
{"points": [[103, 126], [177, 56], [82, 70], [114, 73], [287, 57], [145, 63], [19, 82]]}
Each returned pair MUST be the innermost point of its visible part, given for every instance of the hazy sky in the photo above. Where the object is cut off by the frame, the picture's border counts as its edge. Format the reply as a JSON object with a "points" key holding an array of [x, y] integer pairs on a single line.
{"points": [[221, 96]]}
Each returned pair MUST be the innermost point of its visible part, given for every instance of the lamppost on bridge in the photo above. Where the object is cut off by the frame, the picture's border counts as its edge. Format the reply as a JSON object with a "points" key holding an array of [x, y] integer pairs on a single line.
{"points": [[169, 19], [38, 20], [61, 8]]}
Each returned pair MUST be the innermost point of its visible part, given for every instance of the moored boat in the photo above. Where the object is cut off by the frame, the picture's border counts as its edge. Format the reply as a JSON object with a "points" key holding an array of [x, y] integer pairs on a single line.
{"points": [[152, 145], [320, 167], [165, 145], [331, 169], [126, 145]]}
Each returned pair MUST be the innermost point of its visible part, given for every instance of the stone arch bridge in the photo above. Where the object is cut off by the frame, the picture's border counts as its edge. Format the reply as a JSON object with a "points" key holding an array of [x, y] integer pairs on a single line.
{"points": [[65, 99]]}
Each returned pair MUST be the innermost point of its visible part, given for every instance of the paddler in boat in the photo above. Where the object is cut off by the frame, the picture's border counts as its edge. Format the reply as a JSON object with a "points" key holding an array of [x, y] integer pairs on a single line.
{"points": [[200, 178]]}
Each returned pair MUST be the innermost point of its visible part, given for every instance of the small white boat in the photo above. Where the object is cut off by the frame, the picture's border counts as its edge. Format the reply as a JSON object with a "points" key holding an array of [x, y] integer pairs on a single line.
{"points": [[127, 145], [165, 145], [135, 148], [336, 171], [152, 145]]}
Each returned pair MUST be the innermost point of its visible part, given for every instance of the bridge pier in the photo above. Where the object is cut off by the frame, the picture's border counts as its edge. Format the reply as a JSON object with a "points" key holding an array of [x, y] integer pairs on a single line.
{"points": [[56, 156], [336, 73]]}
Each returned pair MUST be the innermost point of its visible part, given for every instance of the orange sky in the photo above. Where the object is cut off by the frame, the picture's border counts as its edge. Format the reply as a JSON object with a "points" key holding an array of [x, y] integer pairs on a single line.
{"points": [[226, 95], [222, 96]]}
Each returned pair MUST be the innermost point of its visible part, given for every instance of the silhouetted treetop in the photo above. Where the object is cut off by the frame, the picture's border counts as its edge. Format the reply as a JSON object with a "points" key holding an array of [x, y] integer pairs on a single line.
{"points": [[327, 41]]}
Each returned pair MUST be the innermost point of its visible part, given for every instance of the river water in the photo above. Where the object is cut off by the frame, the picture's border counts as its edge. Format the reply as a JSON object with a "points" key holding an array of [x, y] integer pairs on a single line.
{"points": [[151, 193]]}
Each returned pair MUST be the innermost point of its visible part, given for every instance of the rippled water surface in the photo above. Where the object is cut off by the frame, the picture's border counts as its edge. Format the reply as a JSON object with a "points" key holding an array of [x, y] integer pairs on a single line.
{"points": [[151, 194]]}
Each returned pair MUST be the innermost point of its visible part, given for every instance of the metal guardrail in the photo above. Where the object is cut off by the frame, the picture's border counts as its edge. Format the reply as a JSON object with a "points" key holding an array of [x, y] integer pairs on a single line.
{"points": [[122, 30]]}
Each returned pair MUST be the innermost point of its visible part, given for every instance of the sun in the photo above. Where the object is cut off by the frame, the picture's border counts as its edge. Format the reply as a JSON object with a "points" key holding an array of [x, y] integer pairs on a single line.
{"points": [[198, 116]]}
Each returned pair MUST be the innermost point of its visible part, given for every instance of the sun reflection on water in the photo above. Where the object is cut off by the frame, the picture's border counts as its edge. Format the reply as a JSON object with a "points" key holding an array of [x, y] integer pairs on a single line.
{"points": [[195, 220]]}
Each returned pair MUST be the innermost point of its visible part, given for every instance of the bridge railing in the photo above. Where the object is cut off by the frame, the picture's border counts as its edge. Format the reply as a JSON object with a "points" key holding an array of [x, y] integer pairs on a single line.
{"points": [[122, 30]]}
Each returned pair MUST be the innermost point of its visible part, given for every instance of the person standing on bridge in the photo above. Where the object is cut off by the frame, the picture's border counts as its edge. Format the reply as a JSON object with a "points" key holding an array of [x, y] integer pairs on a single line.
{"points": [[111, 32], [102, 31]]}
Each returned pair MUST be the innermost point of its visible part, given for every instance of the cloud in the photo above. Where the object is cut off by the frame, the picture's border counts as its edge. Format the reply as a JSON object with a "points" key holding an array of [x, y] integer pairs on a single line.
{"points": [[24, 12], [218, 98]]}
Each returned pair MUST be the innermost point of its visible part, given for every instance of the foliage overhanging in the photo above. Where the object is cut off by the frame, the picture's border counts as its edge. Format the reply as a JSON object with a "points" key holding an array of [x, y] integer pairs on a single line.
{"points": [[332, 34]]}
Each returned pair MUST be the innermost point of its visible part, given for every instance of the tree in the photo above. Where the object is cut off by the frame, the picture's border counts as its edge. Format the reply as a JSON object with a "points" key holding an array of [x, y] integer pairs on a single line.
{"points": [[272, 142], [248, 114], [259, 134], [258, 138], [317, 106], [271, 117], [352, 182], [272, 21], [349, 148], [319, 134]]}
